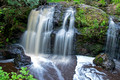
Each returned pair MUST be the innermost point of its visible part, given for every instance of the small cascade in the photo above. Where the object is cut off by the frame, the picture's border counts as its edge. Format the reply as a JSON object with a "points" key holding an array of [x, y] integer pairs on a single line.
{"points": [[113, 40], [42, 69], [64, 38], [37, 37], [85, 70]]}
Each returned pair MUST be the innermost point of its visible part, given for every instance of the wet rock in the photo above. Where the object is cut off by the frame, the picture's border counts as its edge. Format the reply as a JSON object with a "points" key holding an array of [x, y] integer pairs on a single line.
{"points": [[1, 56], [103, 61], [86, 15], [18, 53], [92, 23], [42, 1]]}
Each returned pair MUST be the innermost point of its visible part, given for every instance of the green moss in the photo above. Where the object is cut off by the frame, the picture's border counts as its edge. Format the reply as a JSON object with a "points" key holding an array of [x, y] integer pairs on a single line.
{"points": [[92, 23], [118, 9], [98, 60]]}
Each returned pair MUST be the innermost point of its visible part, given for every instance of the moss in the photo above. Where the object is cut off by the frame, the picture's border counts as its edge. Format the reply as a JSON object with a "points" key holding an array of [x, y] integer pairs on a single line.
{"points": [[92, 24], [98, 60], [89, 14]]}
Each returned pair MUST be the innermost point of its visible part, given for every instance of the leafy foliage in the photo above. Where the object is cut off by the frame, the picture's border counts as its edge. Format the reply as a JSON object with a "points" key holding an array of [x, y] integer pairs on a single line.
{"points": [[116, 1], [30, 3], [96, 31], [12, 20], [118, 8], [80, 16], [103, 2], [22, 74], [64, 0]]}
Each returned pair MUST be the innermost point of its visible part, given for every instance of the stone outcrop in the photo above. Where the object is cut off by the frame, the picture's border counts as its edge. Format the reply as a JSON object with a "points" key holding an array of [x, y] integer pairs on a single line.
{"points": [[103, 61], [17, 53]]}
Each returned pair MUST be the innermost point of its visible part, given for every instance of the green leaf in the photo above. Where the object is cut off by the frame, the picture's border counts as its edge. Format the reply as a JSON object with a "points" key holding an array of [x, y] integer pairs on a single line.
{"points": [[7, 40]]}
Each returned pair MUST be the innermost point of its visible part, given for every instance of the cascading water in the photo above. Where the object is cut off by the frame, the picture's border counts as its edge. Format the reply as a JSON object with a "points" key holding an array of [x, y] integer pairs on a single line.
{"points": [[64, 39], [37, 37], [113, 40]]}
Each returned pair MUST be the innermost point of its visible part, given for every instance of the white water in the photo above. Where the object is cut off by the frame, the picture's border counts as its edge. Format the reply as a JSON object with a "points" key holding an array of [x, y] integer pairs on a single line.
{"points": [[87, 73], [44, 69], [64, 38], [37, 37], [113, 40]]}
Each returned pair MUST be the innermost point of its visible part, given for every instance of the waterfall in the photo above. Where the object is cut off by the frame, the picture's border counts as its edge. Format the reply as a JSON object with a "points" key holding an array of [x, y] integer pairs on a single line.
{"points": [[113, 40], [64, 38], [37, 38], [40, 25]]}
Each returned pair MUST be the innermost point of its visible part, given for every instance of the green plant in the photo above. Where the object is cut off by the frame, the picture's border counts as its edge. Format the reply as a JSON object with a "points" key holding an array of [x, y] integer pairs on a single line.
{"points": [[103, 2], [115, 1], [30, 3], [3, 75], [97, 31], [21, 75], [1, 29], [118, 8], [103, 23], [80, 16]]}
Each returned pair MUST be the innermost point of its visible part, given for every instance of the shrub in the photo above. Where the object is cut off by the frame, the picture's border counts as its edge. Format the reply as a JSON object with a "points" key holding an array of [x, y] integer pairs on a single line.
{"points": [[22, 74], [103, 2], [115, 1], [118, 8], [30, 3]]}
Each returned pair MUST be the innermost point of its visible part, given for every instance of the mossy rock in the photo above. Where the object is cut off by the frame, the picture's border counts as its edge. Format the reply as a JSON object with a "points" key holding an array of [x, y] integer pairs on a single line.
{"points": [[104, 61], [99, 59], [88, 48], [113, 9], [92, 23], [89, 14]]}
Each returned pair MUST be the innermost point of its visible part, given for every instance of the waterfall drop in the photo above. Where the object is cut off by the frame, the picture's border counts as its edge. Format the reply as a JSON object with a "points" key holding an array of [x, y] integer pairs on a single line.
{"points": [[113, 40], [64, 38], [37, 37]]}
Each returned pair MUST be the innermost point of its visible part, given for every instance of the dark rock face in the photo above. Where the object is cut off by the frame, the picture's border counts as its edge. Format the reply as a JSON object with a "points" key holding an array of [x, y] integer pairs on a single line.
{"points": [[18, 53], [103, 61], [1, 56]]}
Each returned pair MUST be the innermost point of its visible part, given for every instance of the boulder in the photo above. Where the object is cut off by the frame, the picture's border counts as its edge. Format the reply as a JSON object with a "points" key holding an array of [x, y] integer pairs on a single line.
{"points": [[18, 54], [103, 61], [92, 23], [86, 15]]}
